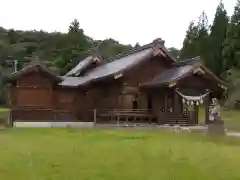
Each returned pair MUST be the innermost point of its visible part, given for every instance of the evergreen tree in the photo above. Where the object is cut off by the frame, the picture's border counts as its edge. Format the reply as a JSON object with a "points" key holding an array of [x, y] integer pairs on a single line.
{"points": [[174, 52], [235, 19], [231, 58], [202, 40], [137, 45], [189, 44], [216, 39], [75, 27], [231, 51], [73, 45], [196, 41]]}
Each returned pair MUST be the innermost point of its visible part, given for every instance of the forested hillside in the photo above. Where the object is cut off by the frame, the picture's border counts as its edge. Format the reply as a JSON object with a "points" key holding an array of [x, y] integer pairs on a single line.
{"points": [[60, 51]]}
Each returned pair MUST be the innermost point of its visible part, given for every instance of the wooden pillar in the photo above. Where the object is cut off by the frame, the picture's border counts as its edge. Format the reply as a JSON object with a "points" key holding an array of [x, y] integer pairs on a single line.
{"points": [[158, 101], [196, 108], [165, 118], [192, 115], [9, 122], [176, 107], [95, 116], [207, 104], [52, 106]]}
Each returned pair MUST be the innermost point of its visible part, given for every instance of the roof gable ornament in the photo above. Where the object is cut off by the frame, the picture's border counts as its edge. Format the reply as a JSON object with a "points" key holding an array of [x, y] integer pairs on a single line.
{"points": [[198, 70], [156, 46]]}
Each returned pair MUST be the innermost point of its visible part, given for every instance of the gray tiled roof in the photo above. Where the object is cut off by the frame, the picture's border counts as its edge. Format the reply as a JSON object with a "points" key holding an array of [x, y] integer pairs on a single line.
{"points": [[170, 75], [109, 69], [115, 65], [80, 66]]}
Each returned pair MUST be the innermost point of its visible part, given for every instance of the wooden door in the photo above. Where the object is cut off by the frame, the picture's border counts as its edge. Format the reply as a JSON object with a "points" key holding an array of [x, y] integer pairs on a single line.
{"points": [[126, 101]]}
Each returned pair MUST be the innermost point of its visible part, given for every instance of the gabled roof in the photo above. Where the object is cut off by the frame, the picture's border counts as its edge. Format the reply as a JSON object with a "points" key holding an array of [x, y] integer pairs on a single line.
{"points": [[32, 67], [82, 65], [109, 69], [119, 64], [169, 75], [181, 70], [158, 43]]}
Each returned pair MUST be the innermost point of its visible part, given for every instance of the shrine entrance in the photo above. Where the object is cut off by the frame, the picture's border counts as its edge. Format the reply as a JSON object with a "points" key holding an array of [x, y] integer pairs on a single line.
{"points": [[194, 103]]}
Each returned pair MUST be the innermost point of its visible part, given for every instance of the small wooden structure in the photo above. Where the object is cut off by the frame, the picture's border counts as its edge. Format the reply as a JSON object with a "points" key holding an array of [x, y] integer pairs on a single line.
{"points": [[139, 86]]}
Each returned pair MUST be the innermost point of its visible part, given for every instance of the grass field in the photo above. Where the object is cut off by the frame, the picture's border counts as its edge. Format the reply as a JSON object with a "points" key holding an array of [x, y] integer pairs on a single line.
{"points": [[4, 114], [73, 154]]}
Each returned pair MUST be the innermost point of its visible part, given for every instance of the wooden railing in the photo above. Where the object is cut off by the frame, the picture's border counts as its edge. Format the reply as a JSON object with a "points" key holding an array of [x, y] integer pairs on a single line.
{"points": [[125, 114], [139, 115], [182, 120]]}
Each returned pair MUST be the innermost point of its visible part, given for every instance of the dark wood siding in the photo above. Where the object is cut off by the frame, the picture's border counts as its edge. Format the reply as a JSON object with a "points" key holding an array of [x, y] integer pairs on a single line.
{"points": [[145, 71], [35, 79], [31, 98], [138, 75], [40, 97]]}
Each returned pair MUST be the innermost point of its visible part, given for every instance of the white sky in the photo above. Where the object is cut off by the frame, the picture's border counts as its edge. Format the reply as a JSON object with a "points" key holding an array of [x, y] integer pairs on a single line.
{"points": [[128, 21]]}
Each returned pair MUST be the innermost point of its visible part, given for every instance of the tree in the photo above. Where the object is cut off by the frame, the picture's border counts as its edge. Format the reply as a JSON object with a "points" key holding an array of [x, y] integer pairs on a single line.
{"points": [[74, 27], [174, 52], [231, 50], [110, 47], [73, 46], [235, 19], [137, 45], [232, 76], [202, 40], [196, 41], [189, 50], [216, 39]]}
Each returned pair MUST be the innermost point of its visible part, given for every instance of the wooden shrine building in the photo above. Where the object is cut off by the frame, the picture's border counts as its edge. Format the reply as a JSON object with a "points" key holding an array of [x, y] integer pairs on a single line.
{"points": [[144, 85]]}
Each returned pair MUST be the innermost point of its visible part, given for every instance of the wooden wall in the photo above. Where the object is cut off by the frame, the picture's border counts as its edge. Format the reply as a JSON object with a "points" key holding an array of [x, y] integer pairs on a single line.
{"points": [[35, 79], [200, 83], [140, 74], [64, 98], [33, 90], [35, 97], [121, 93]]}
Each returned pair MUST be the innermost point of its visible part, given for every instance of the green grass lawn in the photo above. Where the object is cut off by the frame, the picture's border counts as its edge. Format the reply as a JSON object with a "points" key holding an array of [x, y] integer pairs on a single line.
{"points": [[73, 154]]}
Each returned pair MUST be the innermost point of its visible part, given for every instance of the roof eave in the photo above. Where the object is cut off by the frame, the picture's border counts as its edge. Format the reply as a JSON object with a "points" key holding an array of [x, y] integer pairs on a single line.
{"points": [[16, 75]]}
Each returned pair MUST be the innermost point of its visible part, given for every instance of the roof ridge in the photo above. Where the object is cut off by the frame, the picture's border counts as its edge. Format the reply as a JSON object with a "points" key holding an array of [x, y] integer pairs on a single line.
{"points": [[36, 62], [134, 50], [187, 61]]}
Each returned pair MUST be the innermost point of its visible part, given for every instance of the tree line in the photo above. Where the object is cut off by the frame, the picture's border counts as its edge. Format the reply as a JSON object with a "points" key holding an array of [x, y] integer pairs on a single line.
{"points": [[219, 47], [60, 51]]}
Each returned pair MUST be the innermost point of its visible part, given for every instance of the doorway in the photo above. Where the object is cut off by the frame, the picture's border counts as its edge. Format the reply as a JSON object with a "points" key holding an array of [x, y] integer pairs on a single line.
{"points": [[135, 102], [149, 102]]}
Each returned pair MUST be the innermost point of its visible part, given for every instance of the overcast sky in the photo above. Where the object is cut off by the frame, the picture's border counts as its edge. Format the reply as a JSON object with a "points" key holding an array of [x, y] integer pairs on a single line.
{"points": [[128, 21]]}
